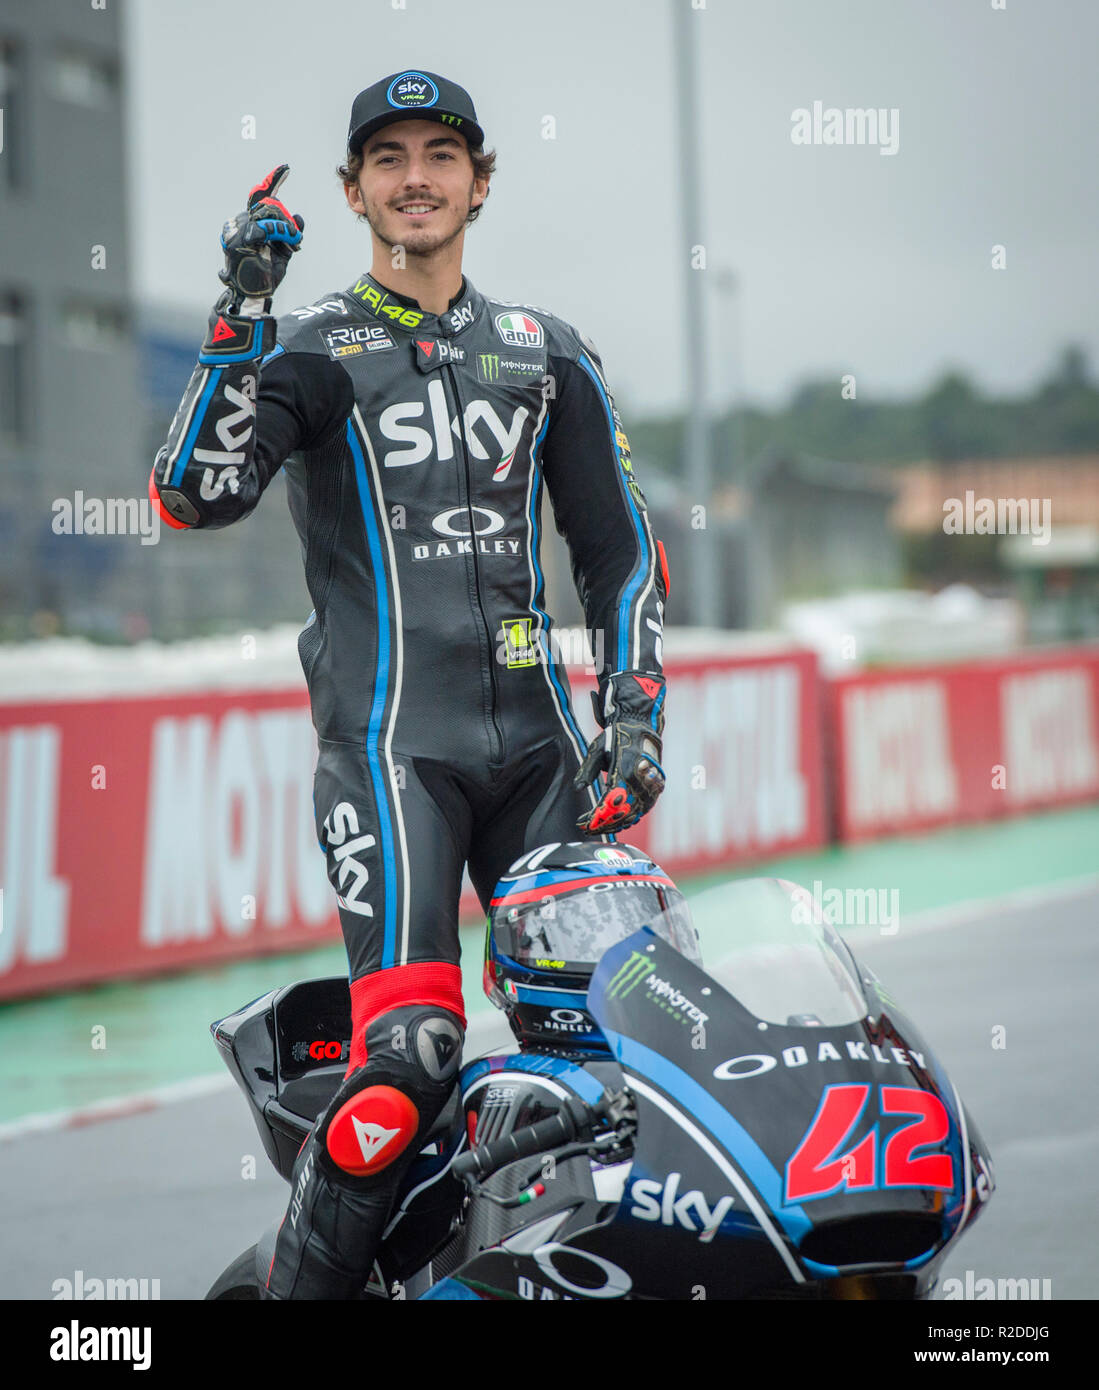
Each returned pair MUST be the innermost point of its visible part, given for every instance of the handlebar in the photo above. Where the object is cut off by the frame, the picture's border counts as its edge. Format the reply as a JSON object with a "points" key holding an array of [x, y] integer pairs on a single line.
{"points": [[574, 1119]]}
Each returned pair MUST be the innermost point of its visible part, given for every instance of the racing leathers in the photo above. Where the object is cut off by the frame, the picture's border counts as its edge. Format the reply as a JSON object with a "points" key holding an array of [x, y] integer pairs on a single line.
{"points": [[416, 447]]}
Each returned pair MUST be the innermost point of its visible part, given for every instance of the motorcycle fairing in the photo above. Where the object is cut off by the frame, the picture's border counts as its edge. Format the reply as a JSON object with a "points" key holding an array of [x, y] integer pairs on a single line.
{"points": [[675, 1030], [559, 1069], [551, 1257]]}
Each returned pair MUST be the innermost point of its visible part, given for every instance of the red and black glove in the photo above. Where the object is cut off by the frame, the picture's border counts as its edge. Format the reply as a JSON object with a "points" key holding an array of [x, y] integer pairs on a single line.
{"points": [[628, 750], [259, 242]]}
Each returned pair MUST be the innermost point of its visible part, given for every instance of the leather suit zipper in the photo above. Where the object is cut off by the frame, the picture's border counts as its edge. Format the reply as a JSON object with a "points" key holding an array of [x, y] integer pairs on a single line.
{"points": [[496, 730]]}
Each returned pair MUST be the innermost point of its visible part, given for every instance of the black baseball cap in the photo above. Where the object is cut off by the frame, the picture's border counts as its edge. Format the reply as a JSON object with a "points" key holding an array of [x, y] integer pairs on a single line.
{"points": [[413, 95]]}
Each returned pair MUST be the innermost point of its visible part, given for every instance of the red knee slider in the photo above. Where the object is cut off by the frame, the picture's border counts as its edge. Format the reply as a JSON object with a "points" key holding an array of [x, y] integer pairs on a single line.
{"points": [[372, 1129]]}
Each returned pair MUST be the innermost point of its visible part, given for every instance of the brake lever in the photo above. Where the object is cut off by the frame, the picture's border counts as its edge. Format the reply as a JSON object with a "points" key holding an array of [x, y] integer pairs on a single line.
{"points": [[614, 1145], [575, 1117]]}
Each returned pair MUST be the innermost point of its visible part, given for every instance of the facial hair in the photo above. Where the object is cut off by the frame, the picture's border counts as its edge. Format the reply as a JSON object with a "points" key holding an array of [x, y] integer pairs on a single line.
{"points": [[412, 250]]}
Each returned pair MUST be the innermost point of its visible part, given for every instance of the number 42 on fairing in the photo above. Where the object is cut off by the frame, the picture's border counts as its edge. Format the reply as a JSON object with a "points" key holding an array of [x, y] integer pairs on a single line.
{"points": [[822, 1166]]}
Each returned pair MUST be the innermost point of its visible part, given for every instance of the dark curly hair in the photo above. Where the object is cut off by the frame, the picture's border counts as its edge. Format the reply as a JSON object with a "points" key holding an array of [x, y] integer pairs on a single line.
{"points": [[484, 166]]}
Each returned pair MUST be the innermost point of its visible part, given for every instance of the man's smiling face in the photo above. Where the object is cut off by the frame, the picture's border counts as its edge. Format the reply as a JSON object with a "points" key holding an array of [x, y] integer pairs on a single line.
{"points": [[417, 186]]}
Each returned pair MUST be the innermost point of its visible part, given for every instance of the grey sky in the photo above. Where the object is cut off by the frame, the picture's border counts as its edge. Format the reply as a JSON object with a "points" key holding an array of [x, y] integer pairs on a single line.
{"points": [[849, 260]]}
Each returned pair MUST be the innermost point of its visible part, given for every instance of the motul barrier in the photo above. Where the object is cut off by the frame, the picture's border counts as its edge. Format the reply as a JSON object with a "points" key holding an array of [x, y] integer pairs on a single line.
{"points": [[925, 746], [143, 834]]}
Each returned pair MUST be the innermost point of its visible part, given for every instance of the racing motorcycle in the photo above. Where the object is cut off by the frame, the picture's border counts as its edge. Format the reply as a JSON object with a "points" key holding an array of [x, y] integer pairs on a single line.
{"points": [[777, 1128]]}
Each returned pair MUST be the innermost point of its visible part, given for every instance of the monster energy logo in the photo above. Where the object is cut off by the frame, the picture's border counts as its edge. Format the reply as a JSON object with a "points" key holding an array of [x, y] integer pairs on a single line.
{"points": [[660, 992], [492, 368], [629, 975]]}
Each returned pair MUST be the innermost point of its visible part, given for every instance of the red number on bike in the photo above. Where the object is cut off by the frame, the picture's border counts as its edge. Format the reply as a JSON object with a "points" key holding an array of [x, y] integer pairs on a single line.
{"points": [[899, 1167], [820, 1167], [817, 1168]]}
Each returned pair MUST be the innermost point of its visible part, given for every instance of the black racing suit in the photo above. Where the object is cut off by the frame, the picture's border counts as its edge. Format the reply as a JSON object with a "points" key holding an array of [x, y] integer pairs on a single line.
{"points": [[416, 447]]}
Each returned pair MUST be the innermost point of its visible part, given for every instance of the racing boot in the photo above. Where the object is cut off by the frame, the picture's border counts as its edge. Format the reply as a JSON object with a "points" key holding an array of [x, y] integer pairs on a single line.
{"points": [[349, 1170]]}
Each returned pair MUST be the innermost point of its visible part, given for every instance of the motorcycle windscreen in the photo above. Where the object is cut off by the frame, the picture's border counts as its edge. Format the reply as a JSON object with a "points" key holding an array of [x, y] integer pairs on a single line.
{"points": [[778, 954], [819, 1132]]}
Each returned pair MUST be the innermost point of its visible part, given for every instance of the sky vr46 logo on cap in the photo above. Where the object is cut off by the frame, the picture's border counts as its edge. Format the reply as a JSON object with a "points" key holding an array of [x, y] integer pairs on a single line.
{"points": [[519, 330], [412, 89]]}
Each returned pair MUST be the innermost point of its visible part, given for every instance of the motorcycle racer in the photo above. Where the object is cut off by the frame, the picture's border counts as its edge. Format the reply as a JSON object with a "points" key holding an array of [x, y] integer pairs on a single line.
{"points": [[418, 421]]}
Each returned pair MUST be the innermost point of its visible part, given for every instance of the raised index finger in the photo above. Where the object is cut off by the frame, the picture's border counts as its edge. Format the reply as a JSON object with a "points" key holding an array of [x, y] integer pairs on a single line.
{"points": [[268, 187]]}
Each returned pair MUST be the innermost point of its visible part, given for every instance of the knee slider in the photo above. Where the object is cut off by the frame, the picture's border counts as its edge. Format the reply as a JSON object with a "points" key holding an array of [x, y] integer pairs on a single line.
{"points": [[371, 1129], [413, 1055]]}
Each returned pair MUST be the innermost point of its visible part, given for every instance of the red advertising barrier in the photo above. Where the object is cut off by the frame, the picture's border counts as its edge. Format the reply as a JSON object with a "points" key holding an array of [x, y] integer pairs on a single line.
{"points": [[144, 834], [742, 754], [918, 747]]}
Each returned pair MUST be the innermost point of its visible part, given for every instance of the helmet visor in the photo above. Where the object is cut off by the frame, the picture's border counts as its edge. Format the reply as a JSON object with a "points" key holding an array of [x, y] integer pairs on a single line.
{"points": [[573, 929]]}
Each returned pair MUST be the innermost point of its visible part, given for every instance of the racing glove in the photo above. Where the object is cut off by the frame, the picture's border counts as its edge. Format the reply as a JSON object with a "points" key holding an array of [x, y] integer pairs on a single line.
{"points": [[628, 750], [205, 475], [259, 242]]}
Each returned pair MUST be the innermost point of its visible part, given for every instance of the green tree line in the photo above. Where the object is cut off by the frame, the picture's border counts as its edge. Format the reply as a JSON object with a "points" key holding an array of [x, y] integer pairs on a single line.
{"points": [[953, 420]]}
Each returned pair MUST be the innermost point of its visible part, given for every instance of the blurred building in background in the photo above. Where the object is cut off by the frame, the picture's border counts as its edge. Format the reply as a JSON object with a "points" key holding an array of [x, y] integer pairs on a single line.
{"points": [[89, 381], [812, 528], [1055, 577], [70, 418], [796, 527]]}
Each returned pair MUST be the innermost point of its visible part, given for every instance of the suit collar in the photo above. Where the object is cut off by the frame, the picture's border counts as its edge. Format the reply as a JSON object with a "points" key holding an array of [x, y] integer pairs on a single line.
{"points": [[399, 312]]}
